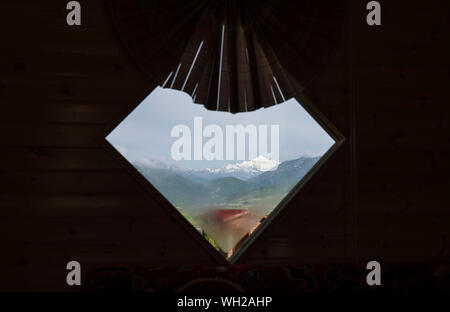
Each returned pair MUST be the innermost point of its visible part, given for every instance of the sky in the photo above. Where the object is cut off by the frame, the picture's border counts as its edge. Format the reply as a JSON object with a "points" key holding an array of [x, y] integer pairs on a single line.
{"points": [[146, 132]]}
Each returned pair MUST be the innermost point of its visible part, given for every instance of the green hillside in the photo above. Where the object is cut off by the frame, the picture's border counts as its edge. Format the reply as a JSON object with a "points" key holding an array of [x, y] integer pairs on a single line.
{"points": [[226, 188], [261, 193], [288, 172], [179, 190]]}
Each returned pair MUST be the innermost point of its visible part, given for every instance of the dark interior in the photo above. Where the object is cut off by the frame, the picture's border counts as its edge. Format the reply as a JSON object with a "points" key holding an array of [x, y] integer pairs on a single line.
{"points": [[65, 195]]}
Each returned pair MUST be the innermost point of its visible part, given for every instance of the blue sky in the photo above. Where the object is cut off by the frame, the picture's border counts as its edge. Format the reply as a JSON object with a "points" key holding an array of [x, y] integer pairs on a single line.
{"points": [[146, 132]]}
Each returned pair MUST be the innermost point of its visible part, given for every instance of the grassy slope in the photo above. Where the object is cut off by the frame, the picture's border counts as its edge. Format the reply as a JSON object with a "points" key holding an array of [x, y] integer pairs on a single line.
{"points": [[261, 193]]}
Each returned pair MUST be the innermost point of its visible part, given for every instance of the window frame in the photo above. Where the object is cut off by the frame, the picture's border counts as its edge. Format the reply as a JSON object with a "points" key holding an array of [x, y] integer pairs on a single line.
{"points": [[174, 214]]}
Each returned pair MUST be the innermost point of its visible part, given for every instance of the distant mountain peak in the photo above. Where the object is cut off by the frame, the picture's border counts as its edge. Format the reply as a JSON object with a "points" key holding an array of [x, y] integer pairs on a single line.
{"points": [[244, 170], [260, 163]]}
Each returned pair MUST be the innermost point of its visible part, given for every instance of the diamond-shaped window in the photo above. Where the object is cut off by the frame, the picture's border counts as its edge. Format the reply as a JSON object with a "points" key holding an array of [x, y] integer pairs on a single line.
{"points": [[225, 173]]}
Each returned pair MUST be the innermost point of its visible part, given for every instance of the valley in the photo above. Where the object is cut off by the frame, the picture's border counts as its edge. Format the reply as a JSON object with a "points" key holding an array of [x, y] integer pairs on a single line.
{"points": [[208, 203]]}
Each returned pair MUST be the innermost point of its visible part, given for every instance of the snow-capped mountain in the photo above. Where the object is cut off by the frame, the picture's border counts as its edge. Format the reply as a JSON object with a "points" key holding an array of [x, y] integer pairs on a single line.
{"points": [[243, 170], [259, 164]]}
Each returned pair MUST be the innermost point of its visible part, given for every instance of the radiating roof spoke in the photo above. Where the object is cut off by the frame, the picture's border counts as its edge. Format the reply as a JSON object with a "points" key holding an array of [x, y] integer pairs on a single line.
{"points": [[273, 94], [220, 66], [167, 79], [192, 66], [279, 89], [175, 77]]}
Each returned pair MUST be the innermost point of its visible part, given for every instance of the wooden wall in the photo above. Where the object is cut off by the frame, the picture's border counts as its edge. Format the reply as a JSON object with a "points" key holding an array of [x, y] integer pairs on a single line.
{"points": [[382, 195]]}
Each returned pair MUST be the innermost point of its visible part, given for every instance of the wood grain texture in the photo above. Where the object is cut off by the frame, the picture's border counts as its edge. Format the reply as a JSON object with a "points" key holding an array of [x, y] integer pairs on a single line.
{"points": [[64, 196]]}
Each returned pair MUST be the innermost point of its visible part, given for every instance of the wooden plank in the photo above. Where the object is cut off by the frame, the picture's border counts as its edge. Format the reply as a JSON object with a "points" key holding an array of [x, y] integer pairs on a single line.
{"points": [[64, 65], [295, 250], [67, 111], [307, 226], [81, 205], [398, 201], [62, 39], [62, 230], [52, 159], [49, 13], [66, 88], [49, 135], [70, 182], [129, 252]]}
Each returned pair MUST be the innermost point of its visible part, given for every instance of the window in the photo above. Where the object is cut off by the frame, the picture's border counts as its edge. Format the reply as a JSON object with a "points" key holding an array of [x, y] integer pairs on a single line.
{"points": [[225, 173]]}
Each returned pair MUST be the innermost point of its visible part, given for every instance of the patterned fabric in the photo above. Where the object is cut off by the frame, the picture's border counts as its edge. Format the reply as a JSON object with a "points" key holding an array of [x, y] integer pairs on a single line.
{"points": [[329, 279]]}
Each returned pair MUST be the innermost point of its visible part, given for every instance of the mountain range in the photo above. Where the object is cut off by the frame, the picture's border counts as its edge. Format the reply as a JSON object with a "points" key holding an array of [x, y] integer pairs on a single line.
{"points": [[243, 170], [256, 184]]}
